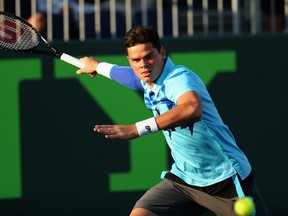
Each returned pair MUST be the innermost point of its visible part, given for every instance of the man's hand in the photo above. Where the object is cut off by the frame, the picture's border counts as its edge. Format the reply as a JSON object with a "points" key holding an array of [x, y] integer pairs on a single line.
{"points": [[117, 131], [90, 66]]}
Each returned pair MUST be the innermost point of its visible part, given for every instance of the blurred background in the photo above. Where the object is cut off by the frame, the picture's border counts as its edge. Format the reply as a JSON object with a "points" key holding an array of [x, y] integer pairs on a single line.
{"points": [[51, 162], [97, 19]]}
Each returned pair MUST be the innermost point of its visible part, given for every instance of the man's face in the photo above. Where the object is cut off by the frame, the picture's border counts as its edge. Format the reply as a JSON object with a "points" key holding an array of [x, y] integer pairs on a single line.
{"points": [[146, 62]]}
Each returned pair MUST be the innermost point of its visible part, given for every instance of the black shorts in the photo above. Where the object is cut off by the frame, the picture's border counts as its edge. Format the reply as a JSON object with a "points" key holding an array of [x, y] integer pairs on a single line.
{"points": [[173, 197]]}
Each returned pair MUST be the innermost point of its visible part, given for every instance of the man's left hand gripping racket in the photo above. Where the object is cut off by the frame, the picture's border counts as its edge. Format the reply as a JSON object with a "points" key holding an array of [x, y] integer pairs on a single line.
{"points": [[17, 35]]}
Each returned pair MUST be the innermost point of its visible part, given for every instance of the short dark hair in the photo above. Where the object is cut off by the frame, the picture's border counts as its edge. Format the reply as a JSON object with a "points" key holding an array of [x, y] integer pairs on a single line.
{"points": [[141, 35]]}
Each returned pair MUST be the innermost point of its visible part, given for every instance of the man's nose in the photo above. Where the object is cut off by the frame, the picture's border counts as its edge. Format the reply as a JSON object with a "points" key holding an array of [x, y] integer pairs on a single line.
{"points": [[144, 63]]}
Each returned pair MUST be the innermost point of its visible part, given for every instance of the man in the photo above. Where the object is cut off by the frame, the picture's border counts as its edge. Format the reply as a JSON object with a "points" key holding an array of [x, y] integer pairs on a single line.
{"points": [[209, 172]]}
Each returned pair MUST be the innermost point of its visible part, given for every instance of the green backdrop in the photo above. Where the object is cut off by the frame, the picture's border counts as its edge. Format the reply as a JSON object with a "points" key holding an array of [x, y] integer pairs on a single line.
{"points": [[51, 162]]}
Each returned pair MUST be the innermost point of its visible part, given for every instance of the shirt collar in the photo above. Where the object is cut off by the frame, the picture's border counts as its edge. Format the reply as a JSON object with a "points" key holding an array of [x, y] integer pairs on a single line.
{"points": [[168, 65]]}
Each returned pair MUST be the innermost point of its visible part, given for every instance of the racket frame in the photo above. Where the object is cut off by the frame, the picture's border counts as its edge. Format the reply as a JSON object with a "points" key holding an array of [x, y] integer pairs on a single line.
{"points": [[55, 52]]}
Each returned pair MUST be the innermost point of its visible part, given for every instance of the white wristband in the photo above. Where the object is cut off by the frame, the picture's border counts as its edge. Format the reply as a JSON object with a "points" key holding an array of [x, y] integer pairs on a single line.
{"points": [[147, 126], [104, 69]]}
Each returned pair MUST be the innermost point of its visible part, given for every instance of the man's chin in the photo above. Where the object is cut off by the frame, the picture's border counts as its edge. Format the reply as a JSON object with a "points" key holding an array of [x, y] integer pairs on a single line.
{"points": [[146, 80]]}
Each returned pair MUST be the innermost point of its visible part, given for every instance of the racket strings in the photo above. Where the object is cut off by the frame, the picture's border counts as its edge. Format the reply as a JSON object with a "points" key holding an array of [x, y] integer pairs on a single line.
{"points": [[16, 35]]}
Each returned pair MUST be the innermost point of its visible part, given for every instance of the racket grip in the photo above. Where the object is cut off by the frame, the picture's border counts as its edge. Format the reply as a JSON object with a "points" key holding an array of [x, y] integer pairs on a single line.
{"points": [[72, 60]]}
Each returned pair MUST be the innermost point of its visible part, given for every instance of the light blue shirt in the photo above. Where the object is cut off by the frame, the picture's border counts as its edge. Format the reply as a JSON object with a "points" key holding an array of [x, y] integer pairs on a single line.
{"points": [[204, 152]]}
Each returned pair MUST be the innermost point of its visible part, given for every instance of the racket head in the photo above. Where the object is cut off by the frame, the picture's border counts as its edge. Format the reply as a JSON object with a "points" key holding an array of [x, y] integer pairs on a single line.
{"points": [[16, 34]]}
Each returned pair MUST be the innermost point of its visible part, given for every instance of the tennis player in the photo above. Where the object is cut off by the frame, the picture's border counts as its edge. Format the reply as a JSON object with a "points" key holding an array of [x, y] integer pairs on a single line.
{"points": [[209, 172]]}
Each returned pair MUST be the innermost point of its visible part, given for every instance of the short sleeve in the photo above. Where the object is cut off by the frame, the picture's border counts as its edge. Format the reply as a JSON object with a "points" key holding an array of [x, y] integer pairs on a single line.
{"points": [[180, 84]]}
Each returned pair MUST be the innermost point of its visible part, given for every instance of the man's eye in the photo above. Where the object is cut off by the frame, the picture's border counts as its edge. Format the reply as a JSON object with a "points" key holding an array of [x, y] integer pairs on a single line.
{"points": [[149, 57]]}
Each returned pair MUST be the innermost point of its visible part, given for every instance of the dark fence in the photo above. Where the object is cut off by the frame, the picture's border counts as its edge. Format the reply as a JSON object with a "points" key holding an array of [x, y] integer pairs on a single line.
{"points": [[97, 19]]}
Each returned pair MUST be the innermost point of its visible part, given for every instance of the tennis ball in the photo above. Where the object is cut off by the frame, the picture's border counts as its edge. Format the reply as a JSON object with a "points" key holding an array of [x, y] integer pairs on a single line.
{"points": [[244, 206]]}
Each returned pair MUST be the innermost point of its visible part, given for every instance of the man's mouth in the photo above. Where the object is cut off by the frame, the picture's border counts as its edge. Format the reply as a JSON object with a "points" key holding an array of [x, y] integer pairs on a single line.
{"points": [[146, 73]]}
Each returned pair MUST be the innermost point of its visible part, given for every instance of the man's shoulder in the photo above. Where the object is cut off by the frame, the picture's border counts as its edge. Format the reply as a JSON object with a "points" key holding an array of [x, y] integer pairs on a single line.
{"points": [[178, 70]]}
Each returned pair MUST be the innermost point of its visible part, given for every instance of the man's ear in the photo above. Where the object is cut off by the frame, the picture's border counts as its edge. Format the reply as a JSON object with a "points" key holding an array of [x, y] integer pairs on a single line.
{"points": [[163, 52], [128, 60]]}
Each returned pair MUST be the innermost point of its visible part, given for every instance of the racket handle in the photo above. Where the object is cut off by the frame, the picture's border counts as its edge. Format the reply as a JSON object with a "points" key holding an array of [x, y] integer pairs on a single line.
{"points": [[71, 60]]}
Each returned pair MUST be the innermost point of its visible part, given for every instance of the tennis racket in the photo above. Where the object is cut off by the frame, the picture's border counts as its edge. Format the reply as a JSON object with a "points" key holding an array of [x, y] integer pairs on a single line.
{"points": [[18, 35]]}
